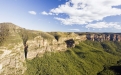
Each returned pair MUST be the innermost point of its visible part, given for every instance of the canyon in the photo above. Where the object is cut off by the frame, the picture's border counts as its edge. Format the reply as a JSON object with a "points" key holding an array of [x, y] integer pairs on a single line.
{"points": [[14, 41]]}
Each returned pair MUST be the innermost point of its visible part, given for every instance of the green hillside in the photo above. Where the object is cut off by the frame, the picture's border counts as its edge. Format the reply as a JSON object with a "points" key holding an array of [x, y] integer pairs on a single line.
{"points": [[15, 34], [87, 58]]}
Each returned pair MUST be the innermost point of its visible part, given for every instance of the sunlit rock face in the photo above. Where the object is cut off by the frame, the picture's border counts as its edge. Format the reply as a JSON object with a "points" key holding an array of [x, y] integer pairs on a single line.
{"points": [[12, 61], [104, 37], [14, 41], [118, 37], [40, 45]]}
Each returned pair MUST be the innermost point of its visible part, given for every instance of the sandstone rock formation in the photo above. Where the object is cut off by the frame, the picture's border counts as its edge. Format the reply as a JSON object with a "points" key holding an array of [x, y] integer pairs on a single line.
{"points": [[104, 37], [14, 39]]}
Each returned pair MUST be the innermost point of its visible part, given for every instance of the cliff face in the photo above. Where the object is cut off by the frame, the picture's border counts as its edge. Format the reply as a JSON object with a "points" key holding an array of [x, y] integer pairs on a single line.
{"points": [[15, 42], [39, 45], [11, 50], [104, 37]]}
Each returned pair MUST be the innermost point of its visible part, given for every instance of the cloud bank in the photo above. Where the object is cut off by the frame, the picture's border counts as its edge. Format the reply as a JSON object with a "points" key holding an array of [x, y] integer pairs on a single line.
{"points": [[104, 25], [82, 12]]}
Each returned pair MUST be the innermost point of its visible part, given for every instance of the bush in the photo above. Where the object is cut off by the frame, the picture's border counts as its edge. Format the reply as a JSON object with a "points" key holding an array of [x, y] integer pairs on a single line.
{"points": [[84, 59]]}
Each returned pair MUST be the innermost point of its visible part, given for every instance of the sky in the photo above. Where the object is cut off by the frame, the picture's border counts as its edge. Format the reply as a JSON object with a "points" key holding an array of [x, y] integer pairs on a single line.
{"points": [[63, 15]]}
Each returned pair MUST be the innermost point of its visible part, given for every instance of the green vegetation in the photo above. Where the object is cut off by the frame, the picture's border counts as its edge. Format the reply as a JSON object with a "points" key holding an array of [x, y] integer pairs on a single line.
{"points": [[58, 35], [12, 33], [3, 33], [8, 31], [87, 58], [46, 35]]}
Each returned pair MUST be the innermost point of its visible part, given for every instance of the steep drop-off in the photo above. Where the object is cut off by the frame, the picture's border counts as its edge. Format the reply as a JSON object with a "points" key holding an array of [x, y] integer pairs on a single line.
{"points": [[18, 43], [87, 58]]}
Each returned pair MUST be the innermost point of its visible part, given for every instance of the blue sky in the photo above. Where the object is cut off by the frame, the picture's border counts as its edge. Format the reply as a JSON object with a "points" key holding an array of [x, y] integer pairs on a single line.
{"points": [[63, 15]]}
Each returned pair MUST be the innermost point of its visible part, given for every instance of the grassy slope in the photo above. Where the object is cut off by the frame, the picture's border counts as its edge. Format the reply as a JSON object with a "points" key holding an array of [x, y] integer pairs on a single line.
{"points": [[15, 34], [87, 58]]}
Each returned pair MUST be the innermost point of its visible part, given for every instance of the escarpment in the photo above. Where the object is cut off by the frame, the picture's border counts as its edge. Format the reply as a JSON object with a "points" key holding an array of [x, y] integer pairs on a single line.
{"points": [[104, 37], [18, 43], [15, 41]]}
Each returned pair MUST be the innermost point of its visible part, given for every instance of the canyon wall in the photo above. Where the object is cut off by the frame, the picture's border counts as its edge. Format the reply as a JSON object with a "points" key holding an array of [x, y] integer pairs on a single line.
{"points": [[15, 42], [39, 45], [104, 37]]}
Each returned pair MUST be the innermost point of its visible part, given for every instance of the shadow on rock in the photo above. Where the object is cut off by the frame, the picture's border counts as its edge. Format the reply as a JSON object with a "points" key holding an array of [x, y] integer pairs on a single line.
{"points": [[116, 69]]}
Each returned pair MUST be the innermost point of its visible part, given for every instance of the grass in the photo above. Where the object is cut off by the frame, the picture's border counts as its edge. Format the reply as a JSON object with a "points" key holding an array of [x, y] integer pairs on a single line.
{"points": [[9, 33], [58, 35], [87, 58], [1, 52]]}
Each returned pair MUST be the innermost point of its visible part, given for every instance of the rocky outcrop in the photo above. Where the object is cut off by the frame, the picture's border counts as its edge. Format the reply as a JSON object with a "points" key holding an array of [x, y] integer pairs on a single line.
{"points": [[103, 37], [17, 43], [39, 45], [12, 61]]}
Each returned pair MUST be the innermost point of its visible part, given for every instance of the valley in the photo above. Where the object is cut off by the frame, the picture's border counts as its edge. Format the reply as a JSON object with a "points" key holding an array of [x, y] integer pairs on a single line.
{"points": [[58, 53]]}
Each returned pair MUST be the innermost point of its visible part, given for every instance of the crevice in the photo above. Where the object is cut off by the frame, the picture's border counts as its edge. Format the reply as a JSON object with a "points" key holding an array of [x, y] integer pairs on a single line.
{"points": [[25, 50], [56, 37]]}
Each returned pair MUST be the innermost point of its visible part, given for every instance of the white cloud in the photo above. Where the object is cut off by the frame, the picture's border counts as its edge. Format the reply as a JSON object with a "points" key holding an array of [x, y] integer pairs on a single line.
{"points": [[45, 13], [86, 11], [32, 12], [74, 29], [100, 25]]}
